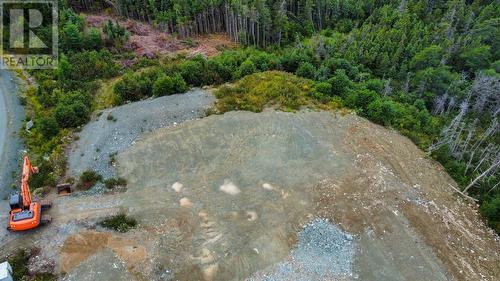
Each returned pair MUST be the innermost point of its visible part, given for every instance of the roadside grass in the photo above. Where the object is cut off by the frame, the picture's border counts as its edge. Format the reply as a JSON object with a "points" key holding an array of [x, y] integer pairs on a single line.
{"points": [[121, 222]]}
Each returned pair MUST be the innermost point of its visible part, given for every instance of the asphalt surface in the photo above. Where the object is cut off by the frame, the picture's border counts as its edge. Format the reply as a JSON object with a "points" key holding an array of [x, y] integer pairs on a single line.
{"points": [[11, 118]]}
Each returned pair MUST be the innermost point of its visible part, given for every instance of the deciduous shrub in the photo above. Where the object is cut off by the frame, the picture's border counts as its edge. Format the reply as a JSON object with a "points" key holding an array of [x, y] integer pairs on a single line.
{"points": [[120, 223], [48, 126], [88, 179], [113, 182], [306, 70]]}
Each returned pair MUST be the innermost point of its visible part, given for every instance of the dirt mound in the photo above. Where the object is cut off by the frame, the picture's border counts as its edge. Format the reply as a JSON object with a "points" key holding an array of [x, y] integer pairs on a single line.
{"points": [[80, 246], [271, 196], [288, 168]]}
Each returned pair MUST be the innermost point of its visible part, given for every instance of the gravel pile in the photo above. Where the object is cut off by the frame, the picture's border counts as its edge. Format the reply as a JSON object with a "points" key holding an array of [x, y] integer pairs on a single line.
{"points": [[323, 252], [116, 129]]}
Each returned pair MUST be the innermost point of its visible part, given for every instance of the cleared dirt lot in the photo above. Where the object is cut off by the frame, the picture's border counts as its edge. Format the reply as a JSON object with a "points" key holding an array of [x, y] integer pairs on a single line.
{"points": [[239, 195], [147, 41]]}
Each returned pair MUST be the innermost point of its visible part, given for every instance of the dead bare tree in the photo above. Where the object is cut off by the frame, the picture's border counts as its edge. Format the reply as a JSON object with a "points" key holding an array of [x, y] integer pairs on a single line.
{"points": [[387, 88], [492, 168], [439, 103]]}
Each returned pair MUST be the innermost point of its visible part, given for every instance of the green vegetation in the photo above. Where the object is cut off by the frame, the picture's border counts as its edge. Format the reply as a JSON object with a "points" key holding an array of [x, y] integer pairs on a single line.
{"points": [[120, 223], [281, 90], [114, 182], [88, 179], [429, 69], [110, 117], [166, 85], [19, 262]]}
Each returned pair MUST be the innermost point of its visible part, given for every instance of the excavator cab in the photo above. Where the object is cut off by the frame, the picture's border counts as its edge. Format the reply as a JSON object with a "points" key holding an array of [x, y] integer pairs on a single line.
{"points": [[26, 213]]}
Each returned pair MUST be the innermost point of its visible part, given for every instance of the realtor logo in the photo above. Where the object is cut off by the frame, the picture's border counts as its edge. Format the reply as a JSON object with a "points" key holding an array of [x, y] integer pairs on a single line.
{"points": [[28, 34]]}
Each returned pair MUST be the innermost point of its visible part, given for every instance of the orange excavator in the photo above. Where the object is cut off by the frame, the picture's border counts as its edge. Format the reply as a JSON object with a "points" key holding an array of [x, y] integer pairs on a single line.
{"points": [[26, 213]]}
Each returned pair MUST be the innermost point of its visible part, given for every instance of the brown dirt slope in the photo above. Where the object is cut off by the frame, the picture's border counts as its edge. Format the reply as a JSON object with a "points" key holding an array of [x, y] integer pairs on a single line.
{"points": [[148, 41]]}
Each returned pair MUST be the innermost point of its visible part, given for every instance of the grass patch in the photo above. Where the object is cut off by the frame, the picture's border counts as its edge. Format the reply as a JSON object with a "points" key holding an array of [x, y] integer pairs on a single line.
{"points": [[120, 223], [112, 159], [105, 96], [276, 89], [112, 183], [19, 261], [111, 118], [88, 179]]}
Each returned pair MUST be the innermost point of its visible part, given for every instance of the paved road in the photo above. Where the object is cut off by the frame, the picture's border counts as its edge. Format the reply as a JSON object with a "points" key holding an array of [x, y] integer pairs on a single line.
{"points": [[11, 116]]}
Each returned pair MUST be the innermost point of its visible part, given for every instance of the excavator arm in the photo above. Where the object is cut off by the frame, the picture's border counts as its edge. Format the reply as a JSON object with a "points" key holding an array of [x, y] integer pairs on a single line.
{"points": [[28, 169], [26, 212]]}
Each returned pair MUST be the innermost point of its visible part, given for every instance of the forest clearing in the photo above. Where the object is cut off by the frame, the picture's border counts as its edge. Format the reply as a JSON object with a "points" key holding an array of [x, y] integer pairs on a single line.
{"points": [[212, 216], [255, 140], [149, 42]]}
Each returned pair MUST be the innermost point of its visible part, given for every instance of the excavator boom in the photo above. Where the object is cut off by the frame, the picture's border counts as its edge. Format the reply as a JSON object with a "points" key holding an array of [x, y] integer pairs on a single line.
{"points": [[26, 212], [25, 190]]}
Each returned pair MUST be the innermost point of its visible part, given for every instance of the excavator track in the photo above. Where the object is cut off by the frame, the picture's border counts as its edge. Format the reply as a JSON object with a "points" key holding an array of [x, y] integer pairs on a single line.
{"points": [[45, 204], [46, 219]]}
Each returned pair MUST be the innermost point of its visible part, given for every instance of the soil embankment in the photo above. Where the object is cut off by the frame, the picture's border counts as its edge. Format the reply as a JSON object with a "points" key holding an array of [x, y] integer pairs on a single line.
{"points": [[264, 196]]}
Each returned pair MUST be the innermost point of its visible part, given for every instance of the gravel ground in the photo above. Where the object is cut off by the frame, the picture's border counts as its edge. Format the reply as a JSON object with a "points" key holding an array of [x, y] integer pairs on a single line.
{"points": [[226, 198], [116, 129], [323, 252]]}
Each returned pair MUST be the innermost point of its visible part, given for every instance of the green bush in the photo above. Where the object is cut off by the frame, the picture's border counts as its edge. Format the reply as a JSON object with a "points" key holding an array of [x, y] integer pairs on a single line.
{"points": [[94, 40], [376, 85], [306, 70], [361, 99], [264, 61], [88, 179], [112, 183], [322, 74], [476, 58], [120, 223], [86, 66], [340, 83], [19, 263], [218, 72], [166, 85], [191, 72], [382, 111], [324, 88], [71, 115], [291, 60], [246, 68], [48, 126], [428, 57], [44, 177], [491, 210], [71, 38], [132, 87]]}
